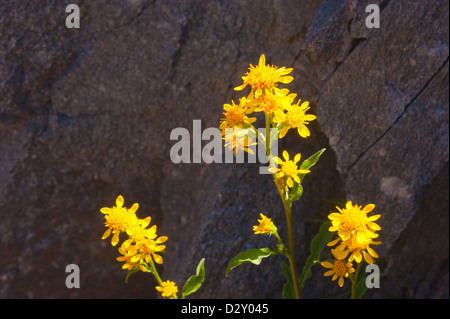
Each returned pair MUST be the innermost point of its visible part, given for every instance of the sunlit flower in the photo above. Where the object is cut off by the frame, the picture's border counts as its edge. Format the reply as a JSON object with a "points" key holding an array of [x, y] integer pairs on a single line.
{"points": [[149, 248], [353, 221], [139, 232], [339, 268], [119, 219], [294, 116], [238, 140], [265, 227], [356, 230], [168, 289], [357, 247], [288, 169], [269, 103], [236, 115], [129, 257], [264, 78]]}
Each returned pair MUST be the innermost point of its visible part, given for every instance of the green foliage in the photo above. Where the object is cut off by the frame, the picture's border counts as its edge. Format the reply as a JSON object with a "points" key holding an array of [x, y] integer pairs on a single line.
{"points": [[253, 255], [195, 281], [288, 287], [296, 193], [130, 272], [310, 162], [318, 243]]}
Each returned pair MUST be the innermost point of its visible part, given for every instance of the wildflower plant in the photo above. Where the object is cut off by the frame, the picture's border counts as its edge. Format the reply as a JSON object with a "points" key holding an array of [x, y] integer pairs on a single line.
{"points": [[355, 230], [143, 248], [350, 233]]}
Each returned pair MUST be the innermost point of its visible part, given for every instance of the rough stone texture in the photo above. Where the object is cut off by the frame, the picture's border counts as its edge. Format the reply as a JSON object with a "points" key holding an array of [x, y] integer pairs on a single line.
{"points": [[392, 85], [86, 114]]}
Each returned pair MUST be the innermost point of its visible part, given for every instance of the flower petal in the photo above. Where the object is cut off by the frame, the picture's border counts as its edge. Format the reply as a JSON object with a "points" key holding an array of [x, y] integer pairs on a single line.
{"points": [[327, 264], [107, 233], [262, 60], [119, 201], [329, 273], [134, 208], [368, 208]]}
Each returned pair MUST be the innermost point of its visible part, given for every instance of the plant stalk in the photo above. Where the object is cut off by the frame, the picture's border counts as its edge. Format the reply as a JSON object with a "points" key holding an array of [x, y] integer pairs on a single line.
{"points": [[355, 281], [291, 256], [287, 209], [154, 272]]}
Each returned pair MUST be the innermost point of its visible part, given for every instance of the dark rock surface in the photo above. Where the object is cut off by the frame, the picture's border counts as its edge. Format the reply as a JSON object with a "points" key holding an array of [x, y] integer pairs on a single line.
{"points": [[86, 114]]}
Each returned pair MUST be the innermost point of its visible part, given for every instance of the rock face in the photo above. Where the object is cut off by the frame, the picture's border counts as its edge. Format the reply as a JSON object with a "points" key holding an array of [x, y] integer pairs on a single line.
{"points": [[86, 114]]}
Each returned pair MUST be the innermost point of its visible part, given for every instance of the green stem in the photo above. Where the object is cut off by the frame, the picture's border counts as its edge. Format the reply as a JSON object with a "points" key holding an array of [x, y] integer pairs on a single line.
{"points": [[267, 135], [287, 209], [154, 272], [355, 281], [291, 256]]}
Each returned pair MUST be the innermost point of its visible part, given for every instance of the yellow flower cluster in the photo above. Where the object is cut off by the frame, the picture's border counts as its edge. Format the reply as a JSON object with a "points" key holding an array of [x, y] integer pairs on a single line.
{"points": [[142, 246], [168, 289], [356, 231], [288, 171], [265, 96], [265, 227]]}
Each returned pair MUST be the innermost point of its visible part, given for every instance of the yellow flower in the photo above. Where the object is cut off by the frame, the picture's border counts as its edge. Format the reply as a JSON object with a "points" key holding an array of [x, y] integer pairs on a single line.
{"points": [[339, 268], [356, 230], [265, 227], [119, 219], [280, 182], [129, 257], [236, 115], [264, 78], [139, 232], [168, 289], [269, 103], [288, 169], [358, 247], [237, 140], [294, 116], [148, 248], [353, 221]]}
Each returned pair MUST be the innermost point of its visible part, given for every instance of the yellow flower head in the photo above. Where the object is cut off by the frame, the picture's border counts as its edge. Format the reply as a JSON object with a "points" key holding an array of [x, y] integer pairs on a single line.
{"points": [[269, 103], [264, 78], [149, 248], [289, 169], [238, 140], [129, 257], [356, 230], [265, 227], [168, 289], [294, 116], [358, 247], [339, 268], [236, 115], [119, 219], [353, 221], [140, 232]]}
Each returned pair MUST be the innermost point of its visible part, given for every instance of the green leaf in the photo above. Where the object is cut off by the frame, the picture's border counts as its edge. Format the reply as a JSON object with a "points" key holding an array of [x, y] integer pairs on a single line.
{"points": [[253, 255], [194, 282], [317, 245], [288, 287], [130, 272], [296, 192], [310, 162]]}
